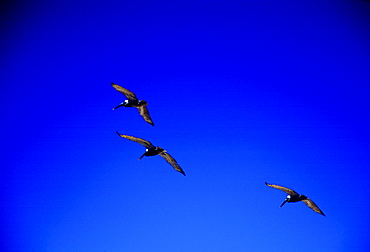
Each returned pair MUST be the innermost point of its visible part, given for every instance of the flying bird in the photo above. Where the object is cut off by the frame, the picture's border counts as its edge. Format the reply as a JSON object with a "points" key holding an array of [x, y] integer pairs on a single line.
{"points": [[295, 197], [151, 150], [132, 101]]}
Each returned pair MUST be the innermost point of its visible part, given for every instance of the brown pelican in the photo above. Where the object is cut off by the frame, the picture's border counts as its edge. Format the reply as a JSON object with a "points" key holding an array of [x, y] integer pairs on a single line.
{"points": [[295, 197], [151, 150], [133, 102]]}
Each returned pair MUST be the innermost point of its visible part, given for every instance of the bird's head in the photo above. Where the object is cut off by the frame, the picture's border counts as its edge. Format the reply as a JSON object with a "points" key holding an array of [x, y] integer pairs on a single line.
{"points": [[160, 150], [143, 102], [302, 197]]}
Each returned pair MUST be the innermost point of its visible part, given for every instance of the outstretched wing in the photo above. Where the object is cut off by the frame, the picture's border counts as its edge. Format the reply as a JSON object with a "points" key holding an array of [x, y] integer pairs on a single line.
{"points": [[130, 95], [143, 110], [147, 144], [172, 162], [284, 189], [313, 206]]}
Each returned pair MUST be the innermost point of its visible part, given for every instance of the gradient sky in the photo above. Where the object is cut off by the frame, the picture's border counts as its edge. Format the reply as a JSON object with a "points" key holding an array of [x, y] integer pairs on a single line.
{"points": [[241, 93]]}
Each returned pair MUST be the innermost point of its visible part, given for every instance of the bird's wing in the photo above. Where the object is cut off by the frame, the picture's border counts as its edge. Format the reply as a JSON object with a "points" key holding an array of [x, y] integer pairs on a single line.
{"points": [[130, 95], [143, 110], [172, 162], [284, 189], [313, 206], [147, 144]]}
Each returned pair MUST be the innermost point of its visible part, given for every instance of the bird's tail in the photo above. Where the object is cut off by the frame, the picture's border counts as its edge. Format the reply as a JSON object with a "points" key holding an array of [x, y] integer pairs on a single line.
{"points": [[142, 156], [118, 106], [283, 203]]}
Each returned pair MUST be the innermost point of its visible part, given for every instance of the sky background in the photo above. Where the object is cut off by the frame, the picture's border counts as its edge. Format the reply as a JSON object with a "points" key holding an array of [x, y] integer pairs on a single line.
{"points": [[241, 93]]}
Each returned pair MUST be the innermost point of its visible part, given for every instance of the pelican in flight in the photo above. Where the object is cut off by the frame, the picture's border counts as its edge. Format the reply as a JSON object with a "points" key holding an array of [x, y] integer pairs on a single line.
{"points": [[295, 197], [132, 101], [151, 150]]}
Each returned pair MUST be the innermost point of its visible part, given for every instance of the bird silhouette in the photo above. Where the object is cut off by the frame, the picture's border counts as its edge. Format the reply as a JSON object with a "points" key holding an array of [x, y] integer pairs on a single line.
{"points": [[295, 197], [152, 150], [132, 101]]}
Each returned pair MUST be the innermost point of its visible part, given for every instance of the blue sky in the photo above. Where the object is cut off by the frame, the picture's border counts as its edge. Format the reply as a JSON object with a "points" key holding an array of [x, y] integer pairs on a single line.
{"points": [[241, 93]]}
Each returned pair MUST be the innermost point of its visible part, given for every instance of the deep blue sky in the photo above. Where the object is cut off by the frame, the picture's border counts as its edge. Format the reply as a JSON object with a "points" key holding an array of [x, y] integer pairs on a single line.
{"points": [[240, 93]]}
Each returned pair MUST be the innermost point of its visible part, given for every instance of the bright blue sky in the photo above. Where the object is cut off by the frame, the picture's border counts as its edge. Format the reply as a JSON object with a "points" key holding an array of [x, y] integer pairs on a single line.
{"points": [[240, 93]]}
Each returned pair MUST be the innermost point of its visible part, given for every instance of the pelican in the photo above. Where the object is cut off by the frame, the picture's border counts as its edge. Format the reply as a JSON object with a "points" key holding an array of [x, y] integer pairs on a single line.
{"points": [[133, 102], [295, 197], [151, 150]]}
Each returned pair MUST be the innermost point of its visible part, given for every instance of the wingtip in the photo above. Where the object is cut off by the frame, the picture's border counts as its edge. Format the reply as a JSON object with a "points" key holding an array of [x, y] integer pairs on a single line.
{"points": [[118, 133], [266, 183]]}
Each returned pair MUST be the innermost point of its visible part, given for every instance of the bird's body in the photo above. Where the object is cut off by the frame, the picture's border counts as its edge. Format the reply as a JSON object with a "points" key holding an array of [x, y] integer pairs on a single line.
{"points": [[132, 104], [295, 197], [152, 150], [132, 101]]}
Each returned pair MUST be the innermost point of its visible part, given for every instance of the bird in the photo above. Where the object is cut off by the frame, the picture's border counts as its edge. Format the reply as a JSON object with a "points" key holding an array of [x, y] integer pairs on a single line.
{"points": [[132, 101], [152, 150], [295, 197]]}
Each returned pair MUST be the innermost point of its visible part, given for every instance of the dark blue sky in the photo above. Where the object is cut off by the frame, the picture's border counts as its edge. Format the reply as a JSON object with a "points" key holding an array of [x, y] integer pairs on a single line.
{"points": [[241, 93]]}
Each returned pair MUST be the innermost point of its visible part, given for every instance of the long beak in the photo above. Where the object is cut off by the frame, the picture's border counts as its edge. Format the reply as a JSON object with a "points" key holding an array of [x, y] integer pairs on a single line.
{"points": [[142, 156], [118, 106], [283, 203]]}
